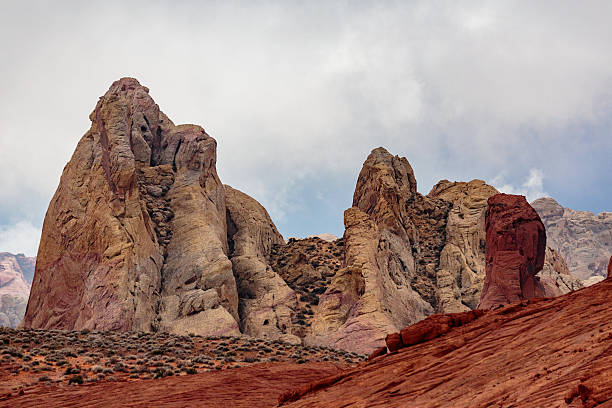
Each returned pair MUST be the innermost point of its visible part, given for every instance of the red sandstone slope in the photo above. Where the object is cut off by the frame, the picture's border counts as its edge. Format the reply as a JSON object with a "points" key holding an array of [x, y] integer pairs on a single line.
{"points": [[554, 352], [253, 386]]}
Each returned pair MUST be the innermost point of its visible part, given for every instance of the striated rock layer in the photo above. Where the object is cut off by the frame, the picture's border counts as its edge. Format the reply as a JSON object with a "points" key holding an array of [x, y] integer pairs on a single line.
{"points": [[136, 235], [581, 237], [537, 353], [515, 251]]}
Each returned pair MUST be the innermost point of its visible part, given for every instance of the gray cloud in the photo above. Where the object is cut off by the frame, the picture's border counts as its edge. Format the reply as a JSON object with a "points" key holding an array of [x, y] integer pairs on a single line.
{"points": [[297, 95]]}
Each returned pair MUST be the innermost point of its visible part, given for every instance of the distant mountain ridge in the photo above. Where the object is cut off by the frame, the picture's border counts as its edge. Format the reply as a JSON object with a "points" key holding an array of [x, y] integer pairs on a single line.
{"points": [[16, 274], [581, 237]]}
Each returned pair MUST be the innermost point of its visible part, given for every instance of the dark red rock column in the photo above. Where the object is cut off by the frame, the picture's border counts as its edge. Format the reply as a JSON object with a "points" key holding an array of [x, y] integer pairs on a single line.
{"points": [[515, 250]]}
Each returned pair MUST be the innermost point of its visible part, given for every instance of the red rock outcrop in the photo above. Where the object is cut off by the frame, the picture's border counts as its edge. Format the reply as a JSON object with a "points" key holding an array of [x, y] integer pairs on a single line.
{"points": [[255, 386], [536, 353], [610, 269], [515, 251]]}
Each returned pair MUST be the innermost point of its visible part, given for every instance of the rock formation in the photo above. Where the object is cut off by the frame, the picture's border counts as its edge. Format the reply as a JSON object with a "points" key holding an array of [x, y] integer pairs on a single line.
{"points": [[555, 276], [609, 269], [308, 267], [266, 302], [16, 273], [581, 237], [536, 353], [408, 256], [515, 251], [135, 237], [461, 273], [392, 242], [142, 235]]}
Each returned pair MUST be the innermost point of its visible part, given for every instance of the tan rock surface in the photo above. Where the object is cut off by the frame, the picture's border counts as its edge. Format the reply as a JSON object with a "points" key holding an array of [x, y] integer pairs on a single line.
{"points": [[381, 287], [13, 270], [556, 276], [581, 237], [15, 279], [461, 273], [135, 235], [266, 302]]}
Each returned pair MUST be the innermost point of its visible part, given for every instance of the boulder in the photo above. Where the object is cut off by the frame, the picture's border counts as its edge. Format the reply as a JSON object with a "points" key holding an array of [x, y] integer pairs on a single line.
{"points": [[393, 342], [515, 251]]}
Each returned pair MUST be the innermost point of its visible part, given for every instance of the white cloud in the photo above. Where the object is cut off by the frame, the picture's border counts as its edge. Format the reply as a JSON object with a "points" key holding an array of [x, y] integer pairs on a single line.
{"points": [[21, 237], [296, 92], [532, 188]]}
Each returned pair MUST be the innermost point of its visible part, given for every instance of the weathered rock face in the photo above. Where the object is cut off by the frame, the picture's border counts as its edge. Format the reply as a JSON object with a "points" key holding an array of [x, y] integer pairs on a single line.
{"points": [[266, 302], [308, 267], [408, 256], [461, 273], [15, 279], [12, 309], [14, 273], [610, 269], [135, 237], [581, 237], [393, 239], [515, 251], [555, 276]]}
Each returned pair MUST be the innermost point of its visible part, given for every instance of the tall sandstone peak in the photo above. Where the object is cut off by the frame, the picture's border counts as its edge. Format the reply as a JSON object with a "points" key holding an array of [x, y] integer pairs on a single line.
{"points": [[135, 237], [515, 251], [406, 255], [581, 237]]}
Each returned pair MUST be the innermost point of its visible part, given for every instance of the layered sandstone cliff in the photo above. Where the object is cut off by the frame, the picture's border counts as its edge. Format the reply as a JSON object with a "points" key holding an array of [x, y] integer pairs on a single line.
{"points": [[582, 238]]}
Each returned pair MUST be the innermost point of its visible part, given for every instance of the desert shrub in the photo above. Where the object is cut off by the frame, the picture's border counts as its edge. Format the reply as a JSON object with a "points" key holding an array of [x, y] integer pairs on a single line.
{"points": [[191, 370], [43, 378], [72, 370], [97, 369], [77, 379]]}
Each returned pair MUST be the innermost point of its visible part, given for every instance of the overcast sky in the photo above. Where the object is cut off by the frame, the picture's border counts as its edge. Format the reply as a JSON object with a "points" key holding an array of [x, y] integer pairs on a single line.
{"points": [[298, 93]]}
